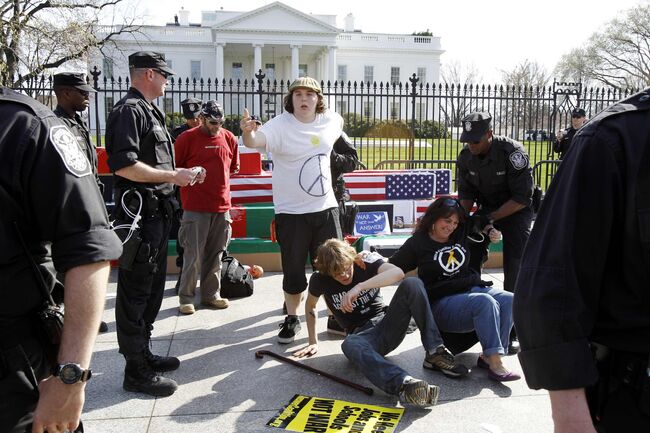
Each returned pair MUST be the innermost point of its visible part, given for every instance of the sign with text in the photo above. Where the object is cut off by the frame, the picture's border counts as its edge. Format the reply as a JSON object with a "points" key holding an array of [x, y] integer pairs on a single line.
{"points": [[325, 415], [371, 223]]}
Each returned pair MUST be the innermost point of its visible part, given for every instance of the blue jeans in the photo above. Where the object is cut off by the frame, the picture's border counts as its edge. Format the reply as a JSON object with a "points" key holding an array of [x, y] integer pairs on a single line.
{"points": [[366, 347], [485, 310]]}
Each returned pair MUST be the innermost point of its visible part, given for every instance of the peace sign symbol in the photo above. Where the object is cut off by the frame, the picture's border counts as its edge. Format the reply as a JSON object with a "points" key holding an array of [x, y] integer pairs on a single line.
{"points": [[312, 180]]}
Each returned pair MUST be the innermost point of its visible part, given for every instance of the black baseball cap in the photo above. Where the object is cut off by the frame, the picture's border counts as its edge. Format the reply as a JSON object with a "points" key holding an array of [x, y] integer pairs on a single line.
{"points": [[150, 59], [72, 79], [191, 107], [474, 126], [578, 112], [212, 109]]}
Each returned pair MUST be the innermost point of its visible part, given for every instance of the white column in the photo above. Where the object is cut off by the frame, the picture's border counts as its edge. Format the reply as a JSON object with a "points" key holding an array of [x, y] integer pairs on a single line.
{"points": [[331, 75], [286, 68], [295, 61], [257, 62], [219, 72]]}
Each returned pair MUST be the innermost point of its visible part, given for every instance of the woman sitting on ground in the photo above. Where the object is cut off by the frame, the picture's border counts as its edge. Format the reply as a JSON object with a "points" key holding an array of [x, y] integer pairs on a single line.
{"points": [[460, 300]]}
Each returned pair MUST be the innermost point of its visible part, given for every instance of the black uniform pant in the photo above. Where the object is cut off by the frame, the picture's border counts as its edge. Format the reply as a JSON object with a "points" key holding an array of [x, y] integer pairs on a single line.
{"points": [[140, 290], [515, 229]]}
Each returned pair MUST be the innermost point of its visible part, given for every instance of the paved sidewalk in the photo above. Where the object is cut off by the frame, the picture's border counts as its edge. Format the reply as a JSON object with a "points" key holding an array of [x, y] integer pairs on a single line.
{"points": [[223, 388]]}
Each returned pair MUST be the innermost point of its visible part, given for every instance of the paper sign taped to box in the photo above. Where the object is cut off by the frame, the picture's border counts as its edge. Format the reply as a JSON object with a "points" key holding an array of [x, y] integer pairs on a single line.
{"points": [[326, 415], [371, 223]]}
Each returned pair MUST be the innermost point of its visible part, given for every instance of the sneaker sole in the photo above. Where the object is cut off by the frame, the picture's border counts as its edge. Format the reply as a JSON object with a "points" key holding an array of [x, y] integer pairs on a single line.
{"points": [[134, 388], [447, 373]]}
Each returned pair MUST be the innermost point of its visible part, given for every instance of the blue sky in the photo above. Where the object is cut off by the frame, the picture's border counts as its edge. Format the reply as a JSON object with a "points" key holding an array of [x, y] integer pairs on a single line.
{"points": [[493, 35]]}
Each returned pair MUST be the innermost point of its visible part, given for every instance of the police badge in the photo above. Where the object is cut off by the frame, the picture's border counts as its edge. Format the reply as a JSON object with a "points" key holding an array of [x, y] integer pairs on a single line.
{"points": [[66, 145], [518, 160]]}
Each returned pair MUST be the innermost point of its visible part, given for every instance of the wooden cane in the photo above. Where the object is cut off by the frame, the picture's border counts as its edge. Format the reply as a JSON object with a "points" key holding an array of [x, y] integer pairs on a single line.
{"points": [[365, 389]]}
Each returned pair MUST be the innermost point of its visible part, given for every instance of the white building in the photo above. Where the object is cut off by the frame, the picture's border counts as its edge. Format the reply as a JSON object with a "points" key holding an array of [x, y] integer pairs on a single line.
{"points": [[281, 41]]}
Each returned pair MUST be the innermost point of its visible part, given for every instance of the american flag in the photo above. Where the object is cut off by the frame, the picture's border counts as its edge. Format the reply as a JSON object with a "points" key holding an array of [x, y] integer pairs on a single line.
{"points": [[369, 185], [250, 188], [443, 181]]}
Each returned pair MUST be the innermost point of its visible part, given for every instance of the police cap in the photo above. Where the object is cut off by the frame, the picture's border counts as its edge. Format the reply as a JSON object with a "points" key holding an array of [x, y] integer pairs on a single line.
{"points": [[578, 112], [212, 109], [150, 59], [474, 126], [72, 79], [191, 107]]}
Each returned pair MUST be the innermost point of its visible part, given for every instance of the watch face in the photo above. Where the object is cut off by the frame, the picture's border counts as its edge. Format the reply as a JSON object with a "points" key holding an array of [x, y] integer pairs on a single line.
{"points": [[70, 373]]}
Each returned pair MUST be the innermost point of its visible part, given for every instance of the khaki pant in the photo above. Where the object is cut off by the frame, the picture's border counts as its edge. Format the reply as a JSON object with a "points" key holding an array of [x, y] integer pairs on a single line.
{"points": [[204, 237]]}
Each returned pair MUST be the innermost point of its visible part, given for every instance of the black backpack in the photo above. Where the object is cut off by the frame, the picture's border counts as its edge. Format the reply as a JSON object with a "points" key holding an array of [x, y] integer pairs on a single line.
{"points": [[236, 282]]}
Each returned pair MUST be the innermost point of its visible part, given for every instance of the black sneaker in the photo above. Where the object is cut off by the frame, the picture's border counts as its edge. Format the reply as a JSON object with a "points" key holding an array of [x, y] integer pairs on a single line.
{"points": [[419, 393], [444, 361], [513, 347], [289, 329], [333, 327], [161, 363], [103, 327], [412, 327]]}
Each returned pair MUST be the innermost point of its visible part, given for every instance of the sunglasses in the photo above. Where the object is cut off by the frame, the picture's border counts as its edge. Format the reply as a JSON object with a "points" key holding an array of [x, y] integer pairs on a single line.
{"points": [[450, 202], [577, 116], [163, 73], [214, 122]]}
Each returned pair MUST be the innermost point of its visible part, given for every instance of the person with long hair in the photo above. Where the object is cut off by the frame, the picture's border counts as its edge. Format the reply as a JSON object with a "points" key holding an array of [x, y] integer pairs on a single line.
{"points": [[459, 299]]}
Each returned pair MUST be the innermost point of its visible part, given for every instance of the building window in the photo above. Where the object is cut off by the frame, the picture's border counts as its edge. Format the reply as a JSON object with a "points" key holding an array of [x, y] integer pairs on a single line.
{"points": [[109, 101], [302, 70], [394, 110], [270, 71], [108, 67], [369, 109], [422, 75], [237, 72], [342, 107], [368, 74], [195, 69], [168, 105], [394, 75], [342, 74]]}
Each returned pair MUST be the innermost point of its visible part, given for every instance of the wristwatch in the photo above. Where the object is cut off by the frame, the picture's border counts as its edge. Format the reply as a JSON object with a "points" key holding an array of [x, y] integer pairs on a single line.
{"points": [[71, 373]]}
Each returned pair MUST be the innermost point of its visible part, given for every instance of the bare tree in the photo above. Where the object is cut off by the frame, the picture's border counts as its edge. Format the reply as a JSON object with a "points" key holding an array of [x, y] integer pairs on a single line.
{"points": [[618, 56], [458, 80], [37, 35]]}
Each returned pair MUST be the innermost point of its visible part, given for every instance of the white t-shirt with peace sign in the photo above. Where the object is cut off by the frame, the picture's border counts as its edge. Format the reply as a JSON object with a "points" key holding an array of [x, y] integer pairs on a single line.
{"points": [[301, 161]]}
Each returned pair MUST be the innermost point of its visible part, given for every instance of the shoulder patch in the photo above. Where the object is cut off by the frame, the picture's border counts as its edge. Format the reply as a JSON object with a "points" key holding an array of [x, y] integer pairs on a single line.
{"points": [[518, 159], [66, 145]]}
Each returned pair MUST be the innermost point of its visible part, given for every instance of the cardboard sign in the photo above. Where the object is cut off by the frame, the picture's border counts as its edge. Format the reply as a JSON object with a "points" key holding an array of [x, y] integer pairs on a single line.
{"points": [[325, 415], [371, 223]]}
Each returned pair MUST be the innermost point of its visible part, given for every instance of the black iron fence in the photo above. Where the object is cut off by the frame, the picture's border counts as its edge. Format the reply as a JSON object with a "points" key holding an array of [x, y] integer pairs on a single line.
{"points": [[398, 125]]}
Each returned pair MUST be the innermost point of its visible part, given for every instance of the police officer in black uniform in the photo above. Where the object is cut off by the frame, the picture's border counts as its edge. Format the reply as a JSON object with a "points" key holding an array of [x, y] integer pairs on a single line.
{"points": [[140, 154], [73, 97], [564, 137], [191, 110], [494, 173], [48, 197], [582, 308]]}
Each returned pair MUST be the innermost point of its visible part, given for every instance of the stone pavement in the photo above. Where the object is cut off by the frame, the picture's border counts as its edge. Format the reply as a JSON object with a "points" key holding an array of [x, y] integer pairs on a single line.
{"points": [[223, 388]]}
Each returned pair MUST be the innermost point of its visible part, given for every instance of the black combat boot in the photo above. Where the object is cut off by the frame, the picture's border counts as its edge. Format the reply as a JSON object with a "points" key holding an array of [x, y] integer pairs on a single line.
{"points": [[161, 363], [140, 377]]}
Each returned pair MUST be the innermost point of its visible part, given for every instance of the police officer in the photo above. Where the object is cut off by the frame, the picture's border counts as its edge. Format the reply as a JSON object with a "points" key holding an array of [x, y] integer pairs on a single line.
{"points": [[565, 136], [72, 95], [582, 308], [140, 155], [191, 110], [494, 173], [48, 195]]}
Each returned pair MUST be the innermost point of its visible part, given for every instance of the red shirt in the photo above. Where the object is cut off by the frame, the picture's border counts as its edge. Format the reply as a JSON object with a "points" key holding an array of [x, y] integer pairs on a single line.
{"points": [[219, 156]]}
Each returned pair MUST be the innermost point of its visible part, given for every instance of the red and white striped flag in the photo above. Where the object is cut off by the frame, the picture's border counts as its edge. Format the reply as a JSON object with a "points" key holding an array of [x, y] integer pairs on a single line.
{"points": [[251, 188]]}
